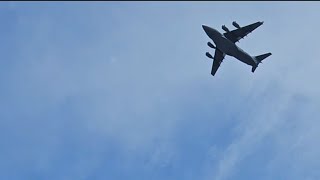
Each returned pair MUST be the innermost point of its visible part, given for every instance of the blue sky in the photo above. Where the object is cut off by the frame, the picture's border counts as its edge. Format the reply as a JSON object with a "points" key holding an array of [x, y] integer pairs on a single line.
{"points": [[122, 90]]}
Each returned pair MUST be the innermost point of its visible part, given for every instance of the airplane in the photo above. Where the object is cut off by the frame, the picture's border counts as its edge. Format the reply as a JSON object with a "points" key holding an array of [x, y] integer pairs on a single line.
{"points": [[225, 44]]}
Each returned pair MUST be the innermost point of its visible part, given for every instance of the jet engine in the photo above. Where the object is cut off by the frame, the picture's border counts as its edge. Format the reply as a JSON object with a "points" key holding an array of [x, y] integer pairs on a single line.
{"points": [[211, 45], [225, 28], [209, 55], [235, 24]]}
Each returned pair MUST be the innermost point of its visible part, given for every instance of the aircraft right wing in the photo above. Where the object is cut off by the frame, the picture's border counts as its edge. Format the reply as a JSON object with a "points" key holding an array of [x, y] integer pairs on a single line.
{"points": [[217, 60], [241, 32]]}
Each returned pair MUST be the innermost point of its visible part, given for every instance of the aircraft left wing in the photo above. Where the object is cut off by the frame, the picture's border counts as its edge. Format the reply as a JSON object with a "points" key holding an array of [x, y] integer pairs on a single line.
{"points": [[241, 32], [217, 60]]}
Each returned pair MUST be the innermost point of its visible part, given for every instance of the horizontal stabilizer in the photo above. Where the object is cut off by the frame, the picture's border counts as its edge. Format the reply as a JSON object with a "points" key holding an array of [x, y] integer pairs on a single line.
{"points": [[259, 59], [262, 57]]}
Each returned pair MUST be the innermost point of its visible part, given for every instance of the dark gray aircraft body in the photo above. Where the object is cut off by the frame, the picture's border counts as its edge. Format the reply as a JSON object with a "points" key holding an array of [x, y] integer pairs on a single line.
{"points": [[225, 45]]}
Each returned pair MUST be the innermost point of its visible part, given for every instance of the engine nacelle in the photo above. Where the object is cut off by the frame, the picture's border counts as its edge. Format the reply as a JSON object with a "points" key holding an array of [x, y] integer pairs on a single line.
{"points": [[209, 55], [235, 24], [211, 45], [225, 28]]}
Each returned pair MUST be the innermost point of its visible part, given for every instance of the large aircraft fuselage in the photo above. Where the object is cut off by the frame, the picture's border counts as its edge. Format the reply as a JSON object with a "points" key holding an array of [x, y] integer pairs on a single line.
{"points": [[228, 47]]}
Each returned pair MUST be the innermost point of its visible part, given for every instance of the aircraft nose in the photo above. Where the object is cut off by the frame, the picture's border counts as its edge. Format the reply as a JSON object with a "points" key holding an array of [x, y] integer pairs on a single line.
{"points": [[204, 27], [207, 29]]}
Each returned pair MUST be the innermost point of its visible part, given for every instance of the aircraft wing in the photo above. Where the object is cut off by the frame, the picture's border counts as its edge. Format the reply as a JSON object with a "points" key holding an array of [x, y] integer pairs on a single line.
{"points": [[217, 59], [240, 33]]}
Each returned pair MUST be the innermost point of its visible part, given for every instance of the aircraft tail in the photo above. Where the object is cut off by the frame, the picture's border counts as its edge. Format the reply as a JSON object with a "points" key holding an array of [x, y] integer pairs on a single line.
{"points": [[259, 60], [262, 57]]}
